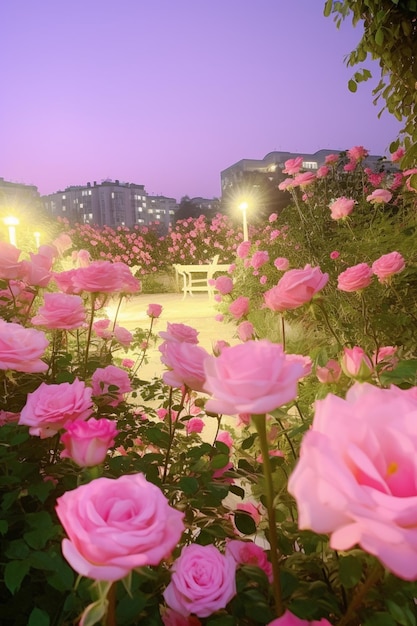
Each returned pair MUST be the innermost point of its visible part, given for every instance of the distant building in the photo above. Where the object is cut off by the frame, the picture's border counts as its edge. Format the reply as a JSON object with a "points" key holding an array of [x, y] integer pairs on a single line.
{"points": [[261, 177], [207, 204], [17, 199], [110, 203]]}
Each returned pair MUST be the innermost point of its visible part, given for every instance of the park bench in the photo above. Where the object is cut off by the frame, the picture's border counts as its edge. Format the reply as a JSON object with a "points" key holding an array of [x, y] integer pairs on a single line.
{"points": [[198, 277]]}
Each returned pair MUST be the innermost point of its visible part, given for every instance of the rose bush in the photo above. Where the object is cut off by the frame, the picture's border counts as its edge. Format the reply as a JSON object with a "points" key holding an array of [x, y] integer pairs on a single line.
{"points": [[130, 501]]}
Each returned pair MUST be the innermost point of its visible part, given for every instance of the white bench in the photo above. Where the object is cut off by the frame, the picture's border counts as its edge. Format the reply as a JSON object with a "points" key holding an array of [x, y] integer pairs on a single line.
{"points": [[197, 277]]}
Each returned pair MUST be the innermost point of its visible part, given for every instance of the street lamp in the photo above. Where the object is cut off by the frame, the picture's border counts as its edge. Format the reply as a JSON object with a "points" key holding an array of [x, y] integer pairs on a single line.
{"points": [[37, 236], [243, 207], [11, 223]]}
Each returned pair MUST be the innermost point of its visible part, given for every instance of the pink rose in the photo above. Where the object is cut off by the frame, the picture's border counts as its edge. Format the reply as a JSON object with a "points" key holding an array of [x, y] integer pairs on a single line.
{"points": [[65, 281], [323, 171], [202, 582], [172, 618], [397, 155], [289, 619], [21, 348], [305, 362], [329, 373], [273, 217], [331, 159], [304, 179], [110, 384], [37, 271], [87, 443], [129, 363], [357, 153], [386, 357], [259, 258], [341, 208], [224, 284], [195, 425], [295, 288], [81, 258], [334, 255], [355, 278], [185, 361], [154, 310], [105, 277], [243, 248], [245, 331], [356, 364], [10, 266], [179, 332], [379, 196], [293, 166], [60, 310], [387, 265], [102, 328], [355, 479], [49, 408], [117, 525], [225, 437], [281, 263], [239, 307], [123, 336], [62, 243], [253, 377], [248, 553]]}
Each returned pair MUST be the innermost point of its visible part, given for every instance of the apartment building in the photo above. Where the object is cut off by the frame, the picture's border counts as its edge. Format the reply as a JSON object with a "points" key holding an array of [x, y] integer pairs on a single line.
{"points": [[111, 203], [18, 199]]}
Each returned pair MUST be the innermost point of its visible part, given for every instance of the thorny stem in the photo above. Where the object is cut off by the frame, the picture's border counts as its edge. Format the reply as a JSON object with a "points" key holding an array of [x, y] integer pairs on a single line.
{"points": [[260, 424], [360, 594], [329, 326], [283, 331]]}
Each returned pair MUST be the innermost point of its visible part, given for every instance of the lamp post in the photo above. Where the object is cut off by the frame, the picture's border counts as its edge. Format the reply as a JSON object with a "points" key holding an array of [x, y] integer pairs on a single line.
{"points": [[243, 207], [11, 223], [37, 236]]}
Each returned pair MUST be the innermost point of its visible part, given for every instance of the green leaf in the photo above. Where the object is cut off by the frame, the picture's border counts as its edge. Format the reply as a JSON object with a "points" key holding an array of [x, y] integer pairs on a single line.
{"points": [[38, 618], [129, 608], [380, 619], [3, 526], [189, 485], [219, 461], [14, 573], [244, 523], [94, 613], [352, 86], [350, 571], [328, 8], [400, 613]]}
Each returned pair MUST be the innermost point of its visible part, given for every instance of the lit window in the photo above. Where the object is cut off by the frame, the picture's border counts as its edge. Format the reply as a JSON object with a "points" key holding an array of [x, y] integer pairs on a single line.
{"points": [[150, 211], [64, 197], [310, 165]]}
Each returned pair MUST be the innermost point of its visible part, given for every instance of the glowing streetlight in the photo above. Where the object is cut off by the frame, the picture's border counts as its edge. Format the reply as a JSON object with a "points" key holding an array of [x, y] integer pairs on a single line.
{"points": [[11, 223], [243, 207], [37, 236]]}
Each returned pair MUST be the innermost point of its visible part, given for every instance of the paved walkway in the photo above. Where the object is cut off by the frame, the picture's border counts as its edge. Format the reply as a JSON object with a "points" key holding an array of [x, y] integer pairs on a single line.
{"points": [[196, 311]]}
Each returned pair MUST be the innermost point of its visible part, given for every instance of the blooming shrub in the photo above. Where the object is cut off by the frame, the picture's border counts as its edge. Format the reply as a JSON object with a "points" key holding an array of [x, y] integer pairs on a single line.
{"points": [[118, 506]]}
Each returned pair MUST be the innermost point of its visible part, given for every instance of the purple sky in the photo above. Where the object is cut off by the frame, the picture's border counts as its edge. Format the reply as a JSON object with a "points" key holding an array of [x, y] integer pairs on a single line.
{"points": [[167, 93]]}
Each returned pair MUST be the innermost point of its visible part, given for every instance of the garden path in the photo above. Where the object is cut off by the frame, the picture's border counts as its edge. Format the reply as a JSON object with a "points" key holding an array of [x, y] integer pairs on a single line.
{"points": [[196, 311]]}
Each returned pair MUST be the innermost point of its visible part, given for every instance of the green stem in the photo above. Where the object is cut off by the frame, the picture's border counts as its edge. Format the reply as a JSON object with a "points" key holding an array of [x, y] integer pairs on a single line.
{"points": [[260, 425], [90, 328], [360, 594], [172, 427], [111, 610], [283, 331], [117, 311], [329, 326], [139, 363]]}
